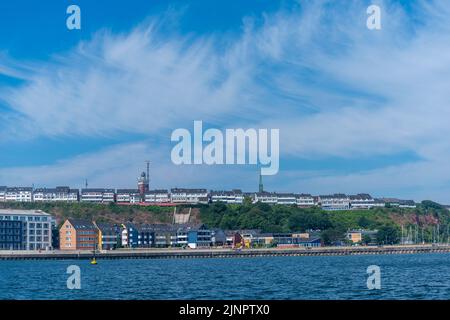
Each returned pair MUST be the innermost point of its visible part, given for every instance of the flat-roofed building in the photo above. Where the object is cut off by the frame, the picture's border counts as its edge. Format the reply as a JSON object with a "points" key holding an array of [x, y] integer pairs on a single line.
{"points": [[230, 197], [192, 196], [157, 196], [35, 232], [58, 194], [304, 200], [128, 196], [77, 234], [19, 194], [94, 195]]}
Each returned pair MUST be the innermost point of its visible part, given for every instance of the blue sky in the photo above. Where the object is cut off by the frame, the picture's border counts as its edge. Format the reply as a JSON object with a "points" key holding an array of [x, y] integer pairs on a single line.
{"points": [[357, 110]]}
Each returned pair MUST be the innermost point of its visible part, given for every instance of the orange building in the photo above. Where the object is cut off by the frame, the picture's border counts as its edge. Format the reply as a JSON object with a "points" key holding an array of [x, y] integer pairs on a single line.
{"points": [[77, 234]]}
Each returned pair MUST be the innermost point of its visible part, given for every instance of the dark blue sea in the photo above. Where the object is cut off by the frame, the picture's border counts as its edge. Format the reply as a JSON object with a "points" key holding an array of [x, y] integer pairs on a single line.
{"points": [[424, 276]]}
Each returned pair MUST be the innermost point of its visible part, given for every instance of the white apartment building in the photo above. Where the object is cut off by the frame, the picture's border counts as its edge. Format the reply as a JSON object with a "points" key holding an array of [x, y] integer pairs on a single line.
{"points": [[98, 195], [19, 194], [191, 196], [36, 230], [2, 193], [305, 200], [286, 198], [265, 197], [233, 196], [335, 202], [128, 196], [58, 194], [157, 196]]}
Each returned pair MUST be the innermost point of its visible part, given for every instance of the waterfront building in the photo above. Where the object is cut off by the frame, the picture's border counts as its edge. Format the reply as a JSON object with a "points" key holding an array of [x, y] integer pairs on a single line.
{"points": [[166, 235], [304, 200], [335, 202], [11, 235], [58, 194], [309, 242], [35, 230], [108, 235], [131, 196], [356, 236], [77, 234], [229, 197], [194, 235], [157, 196], [97, 195], [19, 194], [218, 237], [192, 196], [129, 236]]}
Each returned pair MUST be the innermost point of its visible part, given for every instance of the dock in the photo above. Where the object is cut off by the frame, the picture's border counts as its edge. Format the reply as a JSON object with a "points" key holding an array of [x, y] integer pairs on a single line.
{"points": [[169, 253]]}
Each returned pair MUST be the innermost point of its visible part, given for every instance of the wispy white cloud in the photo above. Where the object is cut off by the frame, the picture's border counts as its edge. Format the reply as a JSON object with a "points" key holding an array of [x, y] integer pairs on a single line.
{"points": [[333, 88]]}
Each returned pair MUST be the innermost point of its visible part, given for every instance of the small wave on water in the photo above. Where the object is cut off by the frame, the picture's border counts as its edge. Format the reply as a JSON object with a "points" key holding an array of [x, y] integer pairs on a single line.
{"points": [[414, 276]]}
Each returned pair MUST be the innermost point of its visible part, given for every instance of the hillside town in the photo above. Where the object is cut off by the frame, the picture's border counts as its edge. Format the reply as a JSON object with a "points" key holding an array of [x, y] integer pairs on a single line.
{"points": [[37, 230]]}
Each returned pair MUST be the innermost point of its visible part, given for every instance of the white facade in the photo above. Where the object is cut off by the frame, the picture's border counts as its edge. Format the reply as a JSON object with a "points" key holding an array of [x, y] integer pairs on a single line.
{"points": [[192, 196], [335, 202], [286, 198], [305, 200], [2, 194], [230, 197], [266, 197], [157, 196], [59, 194], [98, 195], [128, 196], [19, 194]]}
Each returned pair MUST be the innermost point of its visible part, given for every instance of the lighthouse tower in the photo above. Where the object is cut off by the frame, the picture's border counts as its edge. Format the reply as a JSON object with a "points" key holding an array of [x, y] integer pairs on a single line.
{"points": [[144, 180]]}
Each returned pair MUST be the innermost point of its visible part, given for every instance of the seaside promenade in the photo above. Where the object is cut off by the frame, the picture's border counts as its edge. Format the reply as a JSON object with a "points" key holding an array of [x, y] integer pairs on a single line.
{"points": [[177, 253]]}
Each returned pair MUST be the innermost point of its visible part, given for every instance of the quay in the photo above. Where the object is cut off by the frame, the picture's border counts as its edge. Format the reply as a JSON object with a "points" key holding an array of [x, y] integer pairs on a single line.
{"points": [[171, 253]]}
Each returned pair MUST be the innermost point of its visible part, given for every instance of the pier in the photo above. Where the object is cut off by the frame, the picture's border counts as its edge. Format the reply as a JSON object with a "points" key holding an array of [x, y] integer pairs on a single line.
{"points": [[169, 253]]}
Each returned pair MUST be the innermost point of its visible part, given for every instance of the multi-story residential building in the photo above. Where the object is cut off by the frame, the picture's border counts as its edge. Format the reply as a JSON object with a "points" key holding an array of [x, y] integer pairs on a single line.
{"points": [[407, 204], [128, 196], [265, 197], [193, 235], [128, 236], [233, 196], [286, 198], [77, 234], [98, 195], [11, 235], [192, 196], [19, 194], [58, 194], [157, 196], [335, 202], [35, 232], [304, 200], [108, 235], [2, 193], [361, 201], [164, 235]]}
